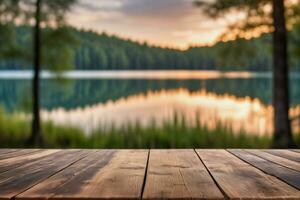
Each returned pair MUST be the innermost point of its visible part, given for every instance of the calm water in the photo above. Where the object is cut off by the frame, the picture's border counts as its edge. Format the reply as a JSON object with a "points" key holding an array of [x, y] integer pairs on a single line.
{"points": [[90, 100]]}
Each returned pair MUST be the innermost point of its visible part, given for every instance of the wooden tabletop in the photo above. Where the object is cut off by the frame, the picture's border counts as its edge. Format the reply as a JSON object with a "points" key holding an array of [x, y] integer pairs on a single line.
{"points": [[149, 174]]}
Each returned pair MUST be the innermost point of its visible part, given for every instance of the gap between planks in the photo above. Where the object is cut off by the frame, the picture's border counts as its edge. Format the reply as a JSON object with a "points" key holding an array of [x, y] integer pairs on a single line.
{"points": [[273, 169], [213, 178], [10, 194], [145, 175], [147, 166]]}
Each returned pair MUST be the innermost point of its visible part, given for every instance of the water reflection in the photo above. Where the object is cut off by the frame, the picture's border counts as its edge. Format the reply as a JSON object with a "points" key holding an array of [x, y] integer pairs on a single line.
{"points": [[74, 93], [92, 99], [239, 113]]}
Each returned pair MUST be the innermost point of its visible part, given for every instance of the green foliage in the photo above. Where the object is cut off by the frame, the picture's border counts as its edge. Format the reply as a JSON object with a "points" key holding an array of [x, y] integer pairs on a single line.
{"points": [[12, 129], [174, 134], [91, 51], [58, 45], [53, 12], [61, 49], [58, 41], [295, 38], [9, 10], [238, 55], [257, 14], [6, 38], [222, 7]]}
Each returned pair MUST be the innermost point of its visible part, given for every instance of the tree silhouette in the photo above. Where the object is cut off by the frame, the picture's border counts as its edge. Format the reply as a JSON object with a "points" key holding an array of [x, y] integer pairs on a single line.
{"points": [[45, 12], [52, 44], [258, 18]]}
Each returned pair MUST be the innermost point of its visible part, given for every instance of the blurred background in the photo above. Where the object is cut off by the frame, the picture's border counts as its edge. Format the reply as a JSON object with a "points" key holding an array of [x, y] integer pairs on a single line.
{"points": [[150, 74]]}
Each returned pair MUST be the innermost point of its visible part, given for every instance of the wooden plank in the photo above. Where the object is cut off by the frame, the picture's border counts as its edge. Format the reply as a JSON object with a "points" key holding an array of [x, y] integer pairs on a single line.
{"points": [[109, 174], [294, 156], [48, 187], [240, 180], [178, 174], [17, 153], [15, 181], [14, 162], [296, 150], [276, 159], [4, 151], [8, 153], [289, 176]]}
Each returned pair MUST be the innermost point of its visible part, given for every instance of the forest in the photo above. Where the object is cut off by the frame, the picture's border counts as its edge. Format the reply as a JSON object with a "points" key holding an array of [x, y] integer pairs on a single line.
{"points": [[37, 36], [93, 51]]}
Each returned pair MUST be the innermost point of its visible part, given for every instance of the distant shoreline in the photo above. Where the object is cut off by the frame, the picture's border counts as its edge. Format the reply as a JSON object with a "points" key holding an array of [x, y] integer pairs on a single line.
{"points": [[139, 74]]}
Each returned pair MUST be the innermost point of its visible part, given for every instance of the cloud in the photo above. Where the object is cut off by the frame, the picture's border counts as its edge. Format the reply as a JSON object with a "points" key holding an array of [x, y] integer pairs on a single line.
{"points": [[99, 5], [175, 23]]}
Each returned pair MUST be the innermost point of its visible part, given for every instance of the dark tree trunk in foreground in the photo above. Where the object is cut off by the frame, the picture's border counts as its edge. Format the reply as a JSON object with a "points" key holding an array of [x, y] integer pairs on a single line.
{"points": [[36, 134], [282, 126]]}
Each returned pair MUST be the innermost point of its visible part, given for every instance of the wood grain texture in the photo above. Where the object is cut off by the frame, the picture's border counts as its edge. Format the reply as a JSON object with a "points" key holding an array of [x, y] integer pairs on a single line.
{"points": [[296, 150], [276, 159], [83, 168], [178, 174], [15, 181], [4, 151], [289, 176], [119, 174], [14, 162], [171, 174], [240, 180], [18, 153], [291, 155]]}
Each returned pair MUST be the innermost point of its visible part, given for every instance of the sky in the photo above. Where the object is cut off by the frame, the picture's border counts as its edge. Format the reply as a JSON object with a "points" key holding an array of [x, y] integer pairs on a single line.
{"points": [[166, 23]]}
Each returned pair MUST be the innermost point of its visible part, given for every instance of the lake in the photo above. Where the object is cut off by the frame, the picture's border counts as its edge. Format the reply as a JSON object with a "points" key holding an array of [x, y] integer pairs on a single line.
{"points": [[94, 99]]}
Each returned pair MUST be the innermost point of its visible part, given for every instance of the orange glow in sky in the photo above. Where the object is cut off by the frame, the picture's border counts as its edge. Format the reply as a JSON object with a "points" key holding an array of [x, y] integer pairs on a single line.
{"points": [[169, 23]]}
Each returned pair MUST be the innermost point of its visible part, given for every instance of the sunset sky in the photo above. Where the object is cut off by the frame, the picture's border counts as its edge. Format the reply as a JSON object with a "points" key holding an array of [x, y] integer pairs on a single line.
{"points": [[171, 23]]}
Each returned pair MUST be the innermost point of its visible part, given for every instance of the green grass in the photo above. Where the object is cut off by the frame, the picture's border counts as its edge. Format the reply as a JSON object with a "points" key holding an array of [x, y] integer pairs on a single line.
{"points": [[176, 134]]}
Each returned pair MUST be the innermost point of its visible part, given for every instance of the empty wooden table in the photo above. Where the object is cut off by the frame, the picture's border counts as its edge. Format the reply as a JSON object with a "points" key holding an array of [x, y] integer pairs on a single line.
{"points": [[149, 174]]}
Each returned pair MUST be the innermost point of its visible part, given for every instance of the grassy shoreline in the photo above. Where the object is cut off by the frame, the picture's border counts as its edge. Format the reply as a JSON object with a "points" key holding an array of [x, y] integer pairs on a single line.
{"points": [[175, 134]]}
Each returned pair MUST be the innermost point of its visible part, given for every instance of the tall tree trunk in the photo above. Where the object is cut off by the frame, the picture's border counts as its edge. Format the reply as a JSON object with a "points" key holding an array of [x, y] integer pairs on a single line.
{"points": [[282, 126], [36, 134]]}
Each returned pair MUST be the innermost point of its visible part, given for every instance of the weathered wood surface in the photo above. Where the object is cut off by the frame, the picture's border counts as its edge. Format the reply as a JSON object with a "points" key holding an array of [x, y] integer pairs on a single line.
{"points": [[290, 176], [14, 162], [178, 174], [277, 159], [16, 153], [239, 180], [18, 180], [37, 174], [106, 174], [291, 155]]}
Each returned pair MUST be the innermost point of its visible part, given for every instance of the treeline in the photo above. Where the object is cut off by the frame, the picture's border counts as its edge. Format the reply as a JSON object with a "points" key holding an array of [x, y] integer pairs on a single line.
{"points": [[105, 52]]}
